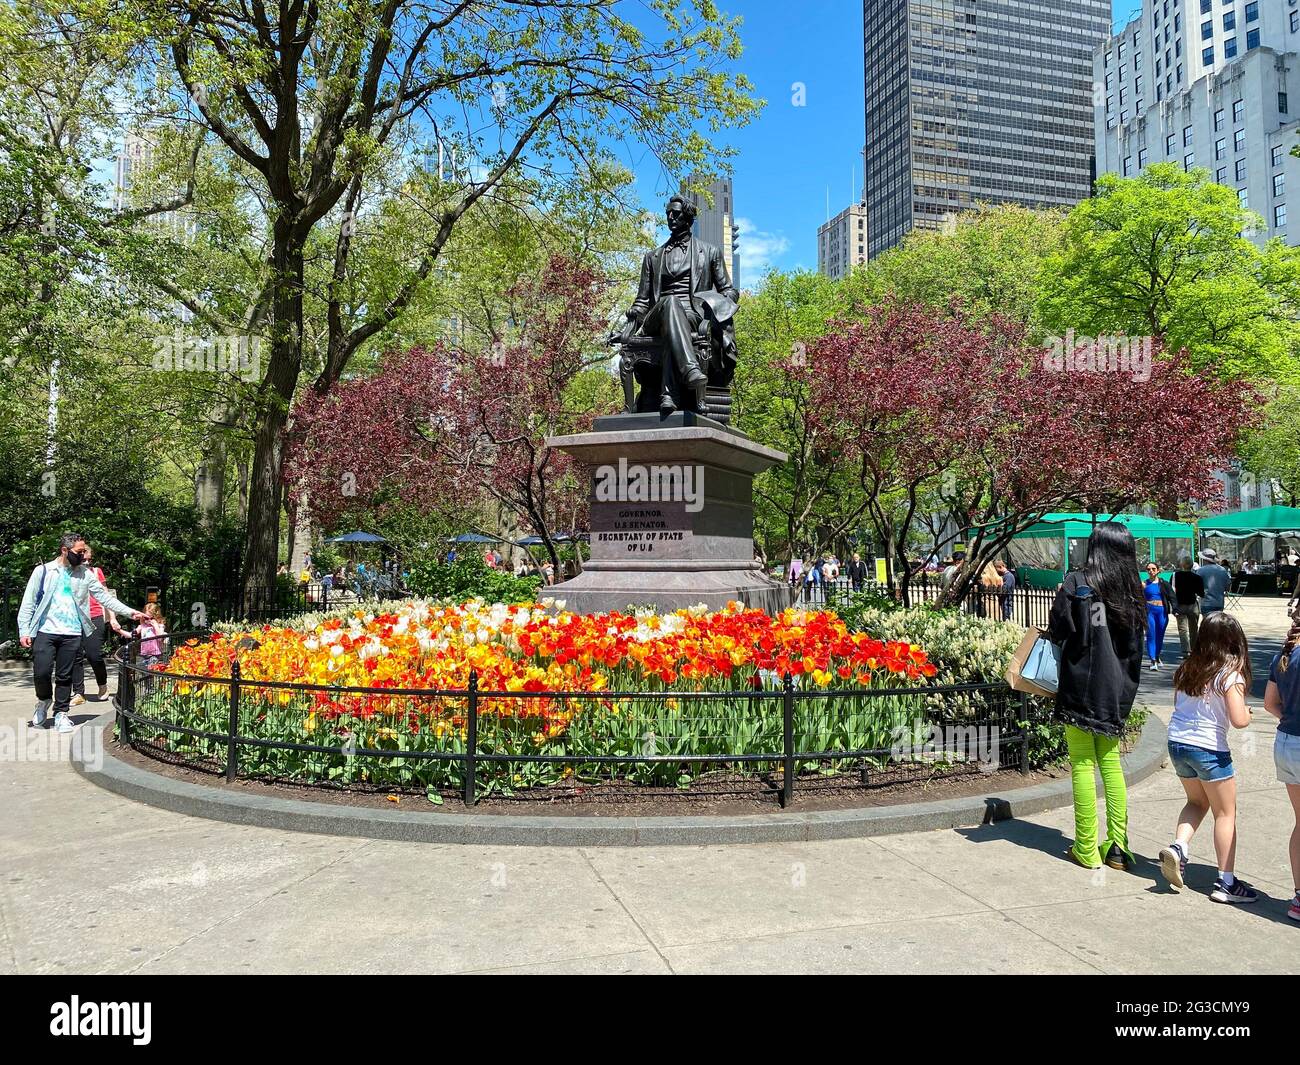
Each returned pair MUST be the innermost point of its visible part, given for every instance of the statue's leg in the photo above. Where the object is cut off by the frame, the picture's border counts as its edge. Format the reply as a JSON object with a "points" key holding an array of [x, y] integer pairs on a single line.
{"points": [[684, 383]]}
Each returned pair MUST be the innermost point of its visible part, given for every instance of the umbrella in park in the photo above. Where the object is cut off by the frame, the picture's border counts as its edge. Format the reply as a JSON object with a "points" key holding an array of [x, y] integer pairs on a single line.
{"points": [[474, 538], [358, 538]]}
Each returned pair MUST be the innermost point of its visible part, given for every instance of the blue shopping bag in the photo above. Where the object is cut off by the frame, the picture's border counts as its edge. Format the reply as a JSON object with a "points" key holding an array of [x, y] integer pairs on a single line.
{"points": [[1035, 667]]}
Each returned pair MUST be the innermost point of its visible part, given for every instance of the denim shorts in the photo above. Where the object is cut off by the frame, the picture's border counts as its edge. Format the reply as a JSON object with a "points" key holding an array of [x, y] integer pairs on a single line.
{"points": [[1286, 756], [1196, 763]]}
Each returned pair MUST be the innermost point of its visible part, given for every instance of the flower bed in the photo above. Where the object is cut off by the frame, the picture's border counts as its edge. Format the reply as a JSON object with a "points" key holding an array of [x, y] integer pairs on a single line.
{"points": [[678, 689]]}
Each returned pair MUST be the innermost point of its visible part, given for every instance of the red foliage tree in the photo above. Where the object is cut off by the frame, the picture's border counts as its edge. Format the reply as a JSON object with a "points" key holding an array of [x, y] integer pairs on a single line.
{"points": [[929, 404], [439, 423]]}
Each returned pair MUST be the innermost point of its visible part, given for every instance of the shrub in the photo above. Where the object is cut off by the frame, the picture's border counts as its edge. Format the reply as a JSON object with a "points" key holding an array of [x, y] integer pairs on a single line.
{"points": [[469, 578]]}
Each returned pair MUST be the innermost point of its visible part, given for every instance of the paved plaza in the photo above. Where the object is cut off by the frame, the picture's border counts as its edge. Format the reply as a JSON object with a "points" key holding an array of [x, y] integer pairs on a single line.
{"points": [[93, 883]]}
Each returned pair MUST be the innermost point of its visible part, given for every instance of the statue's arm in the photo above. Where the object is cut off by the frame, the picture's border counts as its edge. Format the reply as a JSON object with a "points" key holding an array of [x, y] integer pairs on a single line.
{"points": [[641, 306]]}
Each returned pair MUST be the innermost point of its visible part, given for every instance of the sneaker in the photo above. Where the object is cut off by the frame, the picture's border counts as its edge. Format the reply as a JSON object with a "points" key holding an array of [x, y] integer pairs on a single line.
{"points": [[1173, 863], [1239, 892], [77, 699], [1154, 667], [1117, 859], [102, 694], [1294, 911], [63, 723], [42, 710]]}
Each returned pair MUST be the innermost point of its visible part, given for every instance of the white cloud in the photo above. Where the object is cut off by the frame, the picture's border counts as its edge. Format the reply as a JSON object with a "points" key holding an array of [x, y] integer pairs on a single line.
{"points": [[758, 250]]}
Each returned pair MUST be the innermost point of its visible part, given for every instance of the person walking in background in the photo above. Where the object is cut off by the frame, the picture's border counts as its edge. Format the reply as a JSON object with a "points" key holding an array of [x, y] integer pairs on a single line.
{"points": [[857, 572], [52, 620], [1282, 700], [1008, 592], [1209, 695], [1097, 621], [1216, 580], [92, 646], [1160, 604], [1188, 587]]}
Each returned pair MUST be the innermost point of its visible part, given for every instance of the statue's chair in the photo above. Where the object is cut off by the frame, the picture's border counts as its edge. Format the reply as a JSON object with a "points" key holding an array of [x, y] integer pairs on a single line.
{"points": [[641, 365]]}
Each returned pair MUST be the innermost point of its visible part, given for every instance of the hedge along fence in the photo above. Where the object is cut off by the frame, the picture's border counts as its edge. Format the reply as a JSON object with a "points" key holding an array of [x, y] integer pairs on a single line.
{"points": [[528, 743]]}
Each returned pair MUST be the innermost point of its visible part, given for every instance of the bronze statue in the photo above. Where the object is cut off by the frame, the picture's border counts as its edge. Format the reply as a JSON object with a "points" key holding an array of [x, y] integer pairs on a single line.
{"points": [[679, 340]]}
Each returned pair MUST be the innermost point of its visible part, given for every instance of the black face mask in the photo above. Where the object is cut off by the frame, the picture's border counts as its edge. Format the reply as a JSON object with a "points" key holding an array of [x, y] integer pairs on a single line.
{"points": [[75, 559]]}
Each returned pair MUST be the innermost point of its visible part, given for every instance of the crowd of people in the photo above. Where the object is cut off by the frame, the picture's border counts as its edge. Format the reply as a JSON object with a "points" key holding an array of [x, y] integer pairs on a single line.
{"points": [[1102, 622]]}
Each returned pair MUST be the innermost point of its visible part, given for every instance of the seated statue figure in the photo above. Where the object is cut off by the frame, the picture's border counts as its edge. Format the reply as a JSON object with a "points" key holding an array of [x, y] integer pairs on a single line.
{"points": [[681, 322]]}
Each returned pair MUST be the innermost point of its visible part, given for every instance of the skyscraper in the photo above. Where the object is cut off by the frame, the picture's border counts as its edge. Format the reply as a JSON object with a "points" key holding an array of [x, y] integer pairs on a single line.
{"points": [[976, 101], [842, 242], [1206, 84], [716, 222]]}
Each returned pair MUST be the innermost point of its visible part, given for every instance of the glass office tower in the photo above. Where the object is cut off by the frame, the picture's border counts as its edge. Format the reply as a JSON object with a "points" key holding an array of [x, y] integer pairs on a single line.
{"points": [[976, 101]]}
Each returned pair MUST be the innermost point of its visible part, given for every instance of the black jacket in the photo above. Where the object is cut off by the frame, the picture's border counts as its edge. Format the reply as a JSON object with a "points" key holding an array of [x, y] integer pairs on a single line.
{"points": [[1101, 661]]}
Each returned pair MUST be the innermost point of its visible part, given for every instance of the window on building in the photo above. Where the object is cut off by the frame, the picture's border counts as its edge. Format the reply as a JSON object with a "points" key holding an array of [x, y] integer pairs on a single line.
{"points": [[1205, 6], [1123, 96], [1207, 31], [1220, 148], [1110, 104], [1189, 160], [1169, 145], [1243, 198], [1179, 74], [1239, 140], [1160, 93], [1128, 166], [1137, 60], [1282, 102], [1137, 90], [1241, 169], [1230, 48], [1295, 21], [1252, 11], [1142, 158], [1279, 216], [1123, 118], [1230, 20], [1218, 120], [1187, 136], [1238, 110], [1279, 184], [1252, 40], [1207, 56], [1277, 155], [1221, 176]]}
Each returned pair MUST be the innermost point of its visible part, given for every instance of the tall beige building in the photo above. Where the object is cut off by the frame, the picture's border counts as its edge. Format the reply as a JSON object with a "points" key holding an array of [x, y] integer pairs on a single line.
{"points": [[716, 221], [842, 242]]}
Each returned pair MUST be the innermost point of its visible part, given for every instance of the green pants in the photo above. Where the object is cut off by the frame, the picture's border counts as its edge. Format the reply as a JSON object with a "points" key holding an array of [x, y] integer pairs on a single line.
{"points": [[1090, 752]]}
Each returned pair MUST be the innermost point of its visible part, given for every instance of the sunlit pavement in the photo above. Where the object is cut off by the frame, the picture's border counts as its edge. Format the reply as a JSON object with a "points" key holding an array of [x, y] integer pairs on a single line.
{"points": [[95, 883]]}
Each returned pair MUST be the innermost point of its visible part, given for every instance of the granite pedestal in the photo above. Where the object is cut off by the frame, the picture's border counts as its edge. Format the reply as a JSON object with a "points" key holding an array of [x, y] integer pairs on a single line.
{"points": [[672, 516]]}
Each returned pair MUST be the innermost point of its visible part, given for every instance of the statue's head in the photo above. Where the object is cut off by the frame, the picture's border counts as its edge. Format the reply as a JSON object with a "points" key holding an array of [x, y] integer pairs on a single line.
{"points": [[680, 213]]}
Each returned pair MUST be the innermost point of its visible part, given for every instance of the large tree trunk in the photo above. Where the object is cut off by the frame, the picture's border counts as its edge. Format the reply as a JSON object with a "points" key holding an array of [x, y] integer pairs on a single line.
{"points": [[262, 538]]}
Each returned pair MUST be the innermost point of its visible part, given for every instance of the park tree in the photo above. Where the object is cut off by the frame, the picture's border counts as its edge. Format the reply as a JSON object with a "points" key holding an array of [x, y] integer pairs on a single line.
{"points": [[442, 424], [1167, 255], [1003, 432], [798, 501], [990, 261]]}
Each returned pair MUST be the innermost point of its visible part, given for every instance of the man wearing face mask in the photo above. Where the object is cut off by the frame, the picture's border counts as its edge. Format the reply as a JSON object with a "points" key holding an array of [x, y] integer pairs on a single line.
{"points": [[53, 619]]}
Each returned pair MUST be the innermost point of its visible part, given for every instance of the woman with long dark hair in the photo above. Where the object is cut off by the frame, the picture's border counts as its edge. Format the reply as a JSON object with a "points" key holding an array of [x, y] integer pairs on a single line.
{"points": [[1098, 621]]}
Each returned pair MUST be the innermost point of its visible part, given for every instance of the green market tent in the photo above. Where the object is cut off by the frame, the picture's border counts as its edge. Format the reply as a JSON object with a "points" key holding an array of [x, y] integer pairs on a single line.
{"points": [[1046, 550], [1263, 521]]}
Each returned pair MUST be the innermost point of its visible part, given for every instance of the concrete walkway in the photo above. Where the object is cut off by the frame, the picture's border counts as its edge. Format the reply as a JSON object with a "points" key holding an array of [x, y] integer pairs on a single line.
{"points": [[93, 883]]}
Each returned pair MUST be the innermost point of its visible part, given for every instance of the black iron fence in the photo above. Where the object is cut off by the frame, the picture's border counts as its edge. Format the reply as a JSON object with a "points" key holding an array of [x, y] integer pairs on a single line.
{"points": [[539, 745], [1023, 605]]}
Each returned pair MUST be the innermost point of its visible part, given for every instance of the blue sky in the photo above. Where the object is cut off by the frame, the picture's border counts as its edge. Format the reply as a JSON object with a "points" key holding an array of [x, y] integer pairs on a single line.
{"points": [[791, 156]]}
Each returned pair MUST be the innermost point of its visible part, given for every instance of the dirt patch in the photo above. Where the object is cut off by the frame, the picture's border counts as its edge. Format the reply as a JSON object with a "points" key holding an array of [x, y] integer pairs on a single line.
{"points": [[724, 793]]}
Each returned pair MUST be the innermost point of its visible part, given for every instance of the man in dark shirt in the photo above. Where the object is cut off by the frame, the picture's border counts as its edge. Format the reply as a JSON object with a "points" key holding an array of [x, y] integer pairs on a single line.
{"points": [[1007, 595], [1189, 586], [1216, 580], [857, 572]]}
